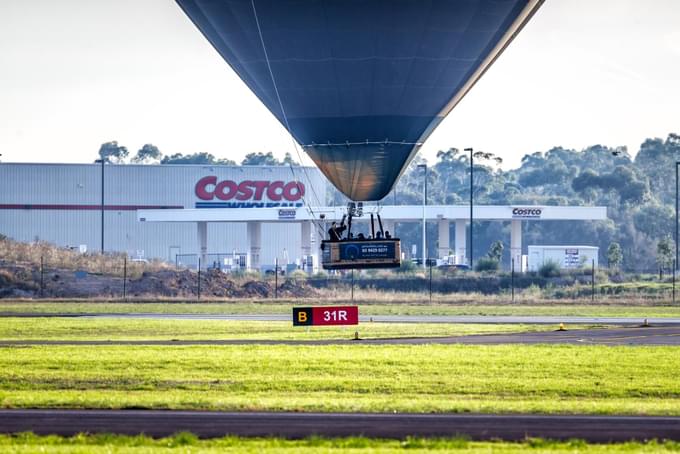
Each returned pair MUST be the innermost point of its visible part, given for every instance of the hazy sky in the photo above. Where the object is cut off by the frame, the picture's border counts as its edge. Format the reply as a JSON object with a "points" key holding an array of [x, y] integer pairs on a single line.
{"points": [[76, 73]]}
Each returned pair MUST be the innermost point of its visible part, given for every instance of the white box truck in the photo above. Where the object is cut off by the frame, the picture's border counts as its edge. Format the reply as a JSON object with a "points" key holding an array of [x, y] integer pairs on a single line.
{"points": [[567, 257]]}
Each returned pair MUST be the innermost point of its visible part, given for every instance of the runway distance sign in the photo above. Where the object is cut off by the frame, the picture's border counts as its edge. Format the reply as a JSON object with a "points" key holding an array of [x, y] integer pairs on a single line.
{"points": [[325, 315]]}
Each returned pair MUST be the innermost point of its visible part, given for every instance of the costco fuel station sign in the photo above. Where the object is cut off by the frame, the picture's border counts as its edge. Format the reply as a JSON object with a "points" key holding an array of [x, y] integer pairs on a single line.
{"points": [[531, 212], [214, 193]]}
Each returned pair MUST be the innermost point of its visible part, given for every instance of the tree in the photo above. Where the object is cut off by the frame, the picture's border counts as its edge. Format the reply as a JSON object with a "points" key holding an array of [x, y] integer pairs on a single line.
{"points": [[196, 158], [288, 160], [148, 153], [111, 151], [664, 252], [496, 251], [654, 220], [614, 255], [261, 159]]}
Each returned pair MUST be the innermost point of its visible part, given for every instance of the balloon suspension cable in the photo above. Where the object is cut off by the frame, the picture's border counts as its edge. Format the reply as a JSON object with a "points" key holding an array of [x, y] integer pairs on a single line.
{"points": [[367, 142], [287, 124]]}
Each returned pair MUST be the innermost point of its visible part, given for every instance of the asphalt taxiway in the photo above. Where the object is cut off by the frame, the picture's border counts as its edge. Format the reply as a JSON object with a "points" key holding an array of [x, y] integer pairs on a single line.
{"points": [[299, 425]]}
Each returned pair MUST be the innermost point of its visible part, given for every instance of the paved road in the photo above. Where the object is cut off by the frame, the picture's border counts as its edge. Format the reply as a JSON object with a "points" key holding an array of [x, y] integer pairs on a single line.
{"points": [[477, 319], [298, 425], [662, 335], [480, 319]]}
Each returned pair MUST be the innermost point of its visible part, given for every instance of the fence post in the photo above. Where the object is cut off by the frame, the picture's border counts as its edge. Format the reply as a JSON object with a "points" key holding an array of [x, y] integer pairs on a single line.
{"points": [[276, 278], [125, 277], [592, 282], [430, 282], [512, 279], [199, 278], [42, 275], [352, 284], [674, 265]]}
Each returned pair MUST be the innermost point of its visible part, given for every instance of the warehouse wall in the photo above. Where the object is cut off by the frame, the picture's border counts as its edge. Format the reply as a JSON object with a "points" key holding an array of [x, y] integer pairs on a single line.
{"points": [[60, 203]]}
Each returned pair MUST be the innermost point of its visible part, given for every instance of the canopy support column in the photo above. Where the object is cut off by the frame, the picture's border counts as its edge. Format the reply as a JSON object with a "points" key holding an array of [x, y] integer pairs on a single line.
{"points": [[443, 243], [305, 242], [461, 238], [516, 243], [254, 233], [203, 242]]}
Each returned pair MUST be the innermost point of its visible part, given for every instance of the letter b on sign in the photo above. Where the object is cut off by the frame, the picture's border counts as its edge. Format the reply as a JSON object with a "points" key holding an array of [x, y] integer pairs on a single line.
{"points": [[302, 316]]}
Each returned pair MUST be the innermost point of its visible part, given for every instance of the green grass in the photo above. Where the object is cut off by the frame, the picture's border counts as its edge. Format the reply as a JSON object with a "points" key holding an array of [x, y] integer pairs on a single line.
{"points": [[147, 329], [184, 443], [477, 307], [421, 378]]}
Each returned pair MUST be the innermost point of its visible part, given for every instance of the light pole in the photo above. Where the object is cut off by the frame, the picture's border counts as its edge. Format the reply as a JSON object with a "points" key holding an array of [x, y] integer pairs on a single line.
{"points": [[424, 254], [471, 204], [102, 161], [677, 163]]}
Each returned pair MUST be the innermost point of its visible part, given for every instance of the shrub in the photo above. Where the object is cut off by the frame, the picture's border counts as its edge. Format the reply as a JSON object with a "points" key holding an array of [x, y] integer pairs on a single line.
{"points": [[298, 275], [550, 268], [486, 264], [407, 266]]}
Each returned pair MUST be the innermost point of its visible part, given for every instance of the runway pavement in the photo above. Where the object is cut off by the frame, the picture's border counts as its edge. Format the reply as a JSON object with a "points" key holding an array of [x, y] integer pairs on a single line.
{"points": [[632, 336], [299, 425], [463, 319]]}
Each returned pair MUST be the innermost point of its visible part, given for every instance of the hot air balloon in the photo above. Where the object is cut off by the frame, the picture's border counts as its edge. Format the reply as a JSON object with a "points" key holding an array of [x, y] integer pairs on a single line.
{"points": [[360, 84]]}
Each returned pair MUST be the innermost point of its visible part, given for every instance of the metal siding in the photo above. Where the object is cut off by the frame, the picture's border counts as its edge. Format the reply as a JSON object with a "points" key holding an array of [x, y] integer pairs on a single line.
{"points": [[167, 185]]}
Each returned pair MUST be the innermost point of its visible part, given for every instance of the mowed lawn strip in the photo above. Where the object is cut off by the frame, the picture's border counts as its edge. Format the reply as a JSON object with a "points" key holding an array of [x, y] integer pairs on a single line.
{"points": [[44, 329], [422, 378], [81, 444], [474, 307]]}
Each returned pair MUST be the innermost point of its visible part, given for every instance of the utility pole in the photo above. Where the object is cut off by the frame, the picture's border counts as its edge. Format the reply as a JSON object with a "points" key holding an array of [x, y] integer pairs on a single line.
{"points": [[102, 161], [424, 253], [471, 204]]}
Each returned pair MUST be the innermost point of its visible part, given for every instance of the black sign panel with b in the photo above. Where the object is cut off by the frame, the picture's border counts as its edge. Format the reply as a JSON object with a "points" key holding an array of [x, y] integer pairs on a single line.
{"points": [[302, 316]]}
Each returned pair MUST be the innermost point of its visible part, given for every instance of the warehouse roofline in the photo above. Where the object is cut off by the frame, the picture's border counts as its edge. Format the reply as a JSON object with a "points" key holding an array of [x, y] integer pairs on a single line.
{"points": [[398, 213]]}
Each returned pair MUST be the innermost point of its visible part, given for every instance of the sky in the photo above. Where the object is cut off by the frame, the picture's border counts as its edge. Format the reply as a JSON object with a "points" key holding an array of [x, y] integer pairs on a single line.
{"points": [[77, 73]]}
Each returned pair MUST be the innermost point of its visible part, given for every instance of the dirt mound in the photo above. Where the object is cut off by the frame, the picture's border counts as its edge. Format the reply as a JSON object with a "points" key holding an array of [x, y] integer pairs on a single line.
{"points": [[296, 288], [23, 281]]}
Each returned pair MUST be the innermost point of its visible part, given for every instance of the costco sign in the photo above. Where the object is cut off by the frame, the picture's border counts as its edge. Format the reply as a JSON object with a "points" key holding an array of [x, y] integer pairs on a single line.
{"points": [[248, 193], [527, 212]]}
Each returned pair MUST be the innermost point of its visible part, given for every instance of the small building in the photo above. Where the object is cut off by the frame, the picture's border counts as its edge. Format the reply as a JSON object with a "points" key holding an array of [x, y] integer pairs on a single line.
{"points": [[567, 257]]}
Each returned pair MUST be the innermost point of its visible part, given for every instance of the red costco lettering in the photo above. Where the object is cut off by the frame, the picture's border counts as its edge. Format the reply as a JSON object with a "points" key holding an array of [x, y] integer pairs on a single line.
{"points": [[208, 188], [275, 191], [202, 191], [219, 190], [298, 188], [260, 187], [244, 191]]}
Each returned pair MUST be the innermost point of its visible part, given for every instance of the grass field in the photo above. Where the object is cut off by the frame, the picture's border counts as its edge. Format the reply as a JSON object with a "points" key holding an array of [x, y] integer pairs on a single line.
{"points": [[480, 307], [59, 328], [185, 443], [424, 378]]}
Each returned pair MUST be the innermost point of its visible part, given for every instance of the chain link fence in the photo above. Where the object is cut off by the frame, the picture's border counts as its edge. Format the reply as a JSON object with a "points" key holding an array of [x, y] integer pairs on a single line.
{"points": [[226, 275]]}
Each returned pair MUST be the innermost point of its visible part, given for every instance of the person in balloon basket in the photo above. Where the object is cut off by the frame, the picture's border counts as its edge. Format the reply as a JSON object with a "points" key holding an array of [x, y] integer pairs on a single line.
{"points": [[335, 232]]}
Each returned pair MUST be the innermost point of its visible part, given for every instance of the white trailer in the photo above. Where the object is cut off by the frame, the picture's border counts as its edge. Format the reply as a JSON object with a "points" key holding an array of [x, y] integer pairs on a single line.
{"points": [[567, 257]]}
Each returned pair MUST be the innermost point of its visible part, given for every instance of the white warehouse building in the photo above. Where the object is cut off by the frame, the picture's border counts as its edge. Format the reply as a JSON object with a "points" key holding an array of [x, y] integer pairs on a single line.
{"points": [[261, 213], [62, 204]]}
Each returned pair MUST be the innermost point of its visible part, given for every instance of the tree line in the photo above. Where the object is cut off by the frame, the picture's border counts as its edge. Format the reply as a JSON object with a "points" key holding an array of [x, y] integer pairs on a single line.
{"points": [[639, 194], [151, 154]]}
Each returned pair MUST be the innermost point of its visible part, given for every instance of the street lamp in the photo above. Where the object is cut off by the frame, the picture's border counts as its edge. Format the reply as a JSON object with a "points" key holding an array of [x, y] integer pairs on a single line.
{"points": [[424, 254], [102, 162], [677, 163], [471, 204]]}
